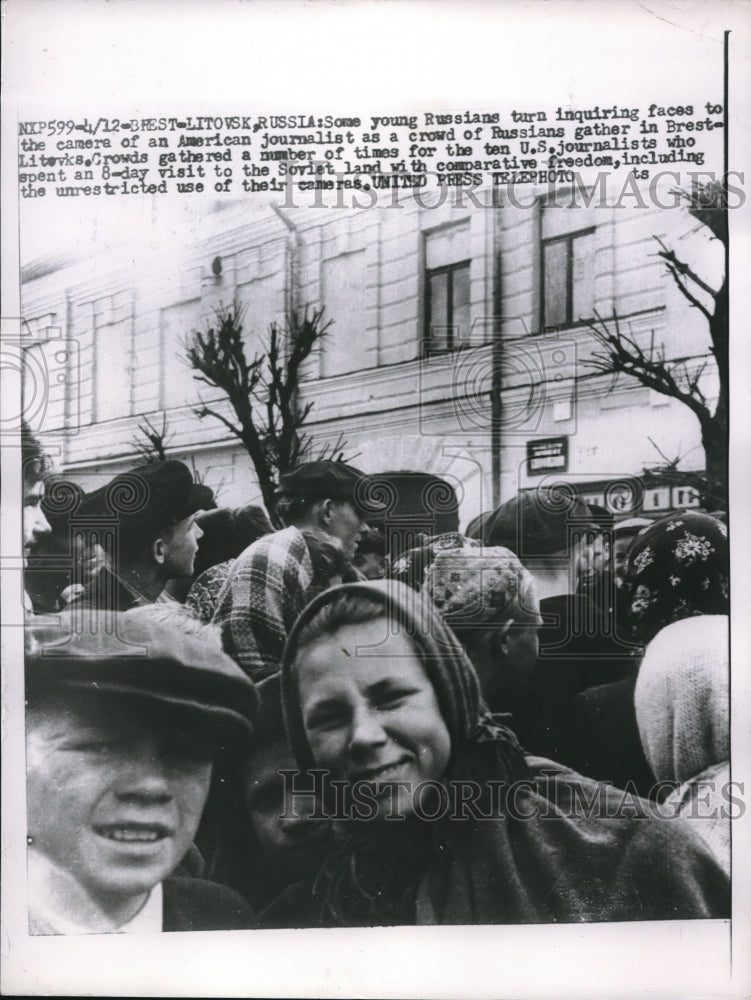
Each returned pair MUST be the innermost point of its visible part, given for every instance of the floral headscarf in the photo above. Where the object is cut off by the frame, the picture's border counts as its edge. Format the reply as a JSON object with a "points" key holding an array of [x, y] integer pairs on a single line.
{"points": [[412, 565], [473, 586], [677, 568]]}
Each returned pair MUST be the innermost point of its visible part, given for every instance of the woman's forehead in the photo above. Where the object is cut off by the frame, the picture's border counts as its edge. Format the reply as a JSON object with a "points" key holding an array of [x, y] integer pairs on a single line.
{"points": [[368, 639], [368, 652]]}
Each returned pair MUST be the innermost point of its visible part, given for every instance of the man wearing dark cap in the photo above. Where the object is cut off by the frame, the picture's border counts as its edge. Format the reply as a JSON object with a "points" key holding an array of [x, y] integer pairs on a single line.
{"points": [[148, 517], [546, 528], [272, 580], [328, 498], [122, 731]]}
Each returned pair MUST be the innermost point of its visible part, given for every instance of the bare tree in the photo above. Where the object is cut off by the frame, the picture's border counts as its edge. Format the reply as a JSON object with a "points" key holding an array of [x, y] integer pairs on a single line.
{"points": [[680, 377], [153, 447], [264, 391]]}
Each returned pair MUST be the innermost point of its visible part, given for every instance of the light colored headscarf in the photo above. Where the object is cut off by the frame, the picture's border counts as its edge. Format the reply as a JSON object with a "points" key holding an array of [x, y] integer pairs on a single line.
{"points": [[682, 709], [473, 586]]}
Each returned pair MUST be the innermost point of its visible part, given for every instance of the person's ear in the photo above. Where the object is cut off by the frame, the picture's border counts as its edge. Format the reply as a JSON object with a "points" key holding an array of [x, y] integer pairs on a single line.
{"points": [[326, 510], [159, 551]]}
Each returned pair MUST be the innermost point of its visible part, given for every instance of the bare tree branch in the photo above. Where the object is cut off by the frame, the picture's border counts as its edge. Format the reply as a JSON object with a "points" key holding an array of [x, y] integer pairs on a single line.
{"points": [[262, 391], [154, 447], [678, 266]]}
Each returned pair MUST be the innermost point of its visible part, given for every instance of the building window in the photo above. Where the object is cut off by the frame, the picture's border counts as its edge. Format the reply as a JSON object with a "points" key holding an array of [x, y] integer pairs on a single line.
{"points": [[447, 288], [348, 345], [179, 388], [113, 345], [568, 253]]}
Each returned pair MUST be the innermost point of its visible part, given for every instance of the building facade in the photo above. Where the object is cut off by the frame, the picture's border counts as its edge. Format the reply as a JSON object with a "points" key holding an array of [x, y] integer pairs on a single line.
{"points": [[458, 346]]}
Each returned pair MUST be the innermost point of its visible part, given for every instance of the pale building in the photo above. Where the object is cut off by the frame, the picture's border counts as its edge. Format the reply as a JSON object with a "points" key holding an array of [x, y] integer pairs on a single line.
{"points": [[456, 346]]}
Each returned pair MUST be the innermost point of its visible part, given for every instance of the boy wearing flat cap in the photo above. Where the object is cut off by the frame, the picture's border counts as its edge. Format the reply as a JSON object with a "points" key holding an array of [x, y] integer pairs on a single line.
{"points": [[151, 510], [123, 728], [273, 579]]}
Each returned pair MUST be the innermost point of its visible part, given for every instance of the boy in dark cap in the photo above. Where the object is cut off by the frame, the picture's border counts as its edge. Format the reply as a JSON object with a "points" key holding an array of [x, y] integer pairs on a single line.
{"points": [[123, 729], [274, 578], [148, 518], [329, 498]]}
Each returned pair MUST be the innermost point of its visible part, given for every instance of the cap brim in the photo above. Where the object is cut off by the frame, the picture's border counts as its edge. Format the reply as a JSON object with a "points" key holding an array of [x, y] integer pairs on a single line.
{"points": [[201, 498], [227, 725]]}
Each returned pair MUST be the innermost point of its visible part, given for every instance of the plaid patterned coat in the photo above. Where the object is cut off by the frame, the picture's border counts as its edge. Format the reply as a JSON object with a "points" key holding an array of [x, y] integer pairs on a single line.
{"points": [[270, 584]]}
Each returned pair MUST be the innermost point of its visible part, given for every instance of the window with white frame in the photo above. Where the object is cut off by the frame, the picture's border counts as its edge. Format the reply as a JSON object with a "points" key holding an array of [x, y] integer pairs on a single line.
{"points": [[447, 288], [113, 355], [346, 347], [177, 322], [568, 256]]}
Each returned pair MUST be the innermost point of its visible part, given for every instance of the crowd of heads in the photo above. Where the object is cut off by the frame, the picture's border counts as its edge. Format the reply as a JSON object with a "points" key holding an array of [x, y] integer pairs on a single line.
{"points": [[224, 716]]}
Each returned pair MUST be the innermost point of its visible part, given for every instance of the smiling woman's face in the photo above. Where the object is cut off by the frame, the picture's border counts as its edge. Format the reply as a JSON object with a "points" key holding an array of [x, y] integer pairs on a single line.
{"points": [[370, 712]]}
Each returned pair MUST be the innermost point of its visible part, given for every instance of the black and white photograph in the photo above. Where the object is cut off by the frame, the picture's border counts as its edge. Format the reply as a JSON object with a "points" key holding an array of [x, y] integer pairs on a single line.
{"points": [[374, 436]]}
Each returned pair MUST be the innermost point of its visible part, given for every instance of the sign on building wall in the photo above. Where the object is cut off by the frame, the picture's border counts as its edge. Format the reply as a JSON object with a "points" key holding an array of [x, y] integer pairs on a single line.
{"points": [[629, 496], [547, 455]]}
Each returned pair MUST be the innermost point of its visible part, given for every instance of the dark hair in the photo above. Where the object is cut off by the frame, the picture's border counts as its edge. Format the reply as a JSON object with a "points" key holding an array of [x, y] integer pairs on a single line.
{"points": [[228, 532], [371, 541], [36, 462], [328, 560], [291, 510], [51, 563]]}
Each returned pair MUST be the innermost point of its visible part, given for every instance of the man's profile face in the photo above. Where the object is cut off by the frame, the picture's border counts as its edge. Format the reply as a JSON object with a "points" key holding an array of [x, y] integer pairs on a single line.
{"points": [[114, 792], [181, 547], [593, 556], [34, 521], [347, 524], [620, 556]]}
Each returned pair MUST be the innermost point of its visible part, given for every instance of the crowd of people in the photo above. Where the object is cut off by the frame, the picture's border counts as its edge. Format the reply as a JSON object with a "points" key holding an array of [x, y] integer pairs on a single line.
{"points": [[336, 721]]}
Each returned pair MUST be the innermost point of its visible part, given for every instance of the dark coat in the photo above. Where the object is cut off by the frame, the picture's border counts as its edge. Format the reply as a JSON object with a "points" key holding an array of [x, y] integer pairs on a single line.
{"points": [[578, 650], [193, 904], [605, 737], [568, 867]]}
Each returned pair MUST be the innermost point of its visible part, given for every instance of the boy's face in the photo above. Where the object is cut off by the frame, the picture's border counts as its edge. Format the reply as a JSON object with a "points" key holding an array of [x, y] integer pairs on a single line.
{"points": [[114, 793], [180, 546], [286, 833]]}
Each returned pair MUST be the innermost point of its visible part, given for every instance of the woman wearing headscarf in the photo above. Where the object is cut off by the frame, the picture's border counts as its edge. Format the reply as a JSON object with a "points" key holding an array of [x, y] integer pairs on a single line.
{"points": [[677, 568], [445, 821], [412, 565], [682, 703], [490, 602]]}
